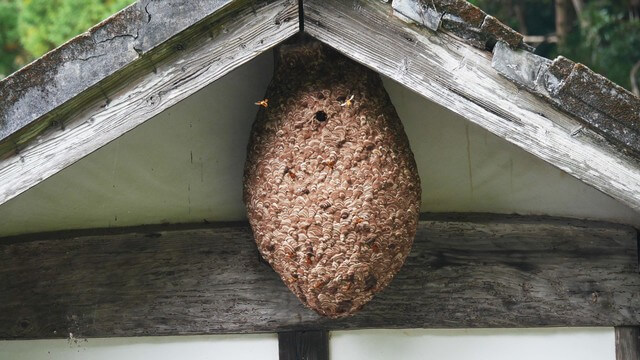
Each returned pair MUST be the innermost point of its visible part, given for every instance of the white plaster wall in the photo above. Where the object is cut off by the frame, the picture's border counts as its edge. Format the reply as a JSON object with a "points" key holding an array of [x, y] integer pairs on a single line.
{"points": [[219, 347], [479, 344]]}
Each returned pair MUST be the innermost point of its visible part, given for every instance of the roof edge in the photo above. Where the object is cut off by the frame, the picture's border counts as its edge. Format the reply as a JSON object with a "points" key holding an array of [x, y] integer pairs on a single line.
{"points": [[600, 104]]}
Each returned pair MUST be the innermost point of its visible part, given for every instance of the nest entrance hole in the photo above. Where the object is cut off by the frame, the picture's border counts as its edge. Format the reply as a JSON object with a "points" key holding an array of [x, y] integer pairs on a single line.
{"points": [[320, 116]]}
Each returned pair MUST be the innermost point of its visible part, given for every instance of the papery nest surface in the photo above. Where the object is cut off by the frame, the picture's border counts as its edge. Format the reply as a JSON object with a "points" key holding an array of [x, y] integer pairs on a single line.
{"points": [[331, 186]]}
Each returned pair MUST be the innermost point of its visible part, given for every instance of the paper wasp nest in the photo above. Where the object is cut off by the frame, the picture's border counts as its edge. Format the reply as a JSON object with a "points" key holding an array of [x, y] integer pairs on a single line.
{"points": [[330, 183]]}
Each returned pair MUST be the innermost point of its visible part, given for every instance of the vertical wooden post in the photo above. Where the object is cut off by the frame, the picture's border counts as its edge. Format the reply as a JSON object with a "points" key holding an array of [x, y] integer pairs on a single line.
{"points": [[304, 345], [627, 343]]}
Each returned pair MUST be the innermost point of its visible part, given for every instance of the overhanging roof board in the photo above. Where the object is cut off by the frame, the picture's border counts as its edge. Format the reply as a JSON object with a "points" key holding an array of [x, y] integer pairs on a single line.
{"points": [[226, 39], [457, 75], [465, 270], [51, 116]]}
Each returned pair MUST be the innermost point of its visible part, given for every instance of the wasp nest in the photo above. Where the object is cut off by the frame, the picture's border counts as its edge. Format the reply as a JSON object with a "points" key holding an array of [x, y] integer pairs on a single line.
{"points": [[330, 183]]}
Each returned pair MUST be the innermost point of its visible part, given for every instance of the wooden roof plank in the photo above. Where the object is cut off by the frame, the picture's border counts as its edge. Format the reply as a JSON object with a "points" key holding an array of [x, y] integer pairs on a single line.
{"points": [[454, 74]]}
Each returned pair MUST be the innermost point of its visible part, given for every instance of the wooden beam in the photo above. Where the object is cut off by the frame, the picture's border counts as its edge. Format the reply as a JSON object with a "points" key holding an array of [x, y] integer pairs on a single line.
{"points": [[464, 271], [186, 63], [458, 76], [627, 343], [307, 345]]}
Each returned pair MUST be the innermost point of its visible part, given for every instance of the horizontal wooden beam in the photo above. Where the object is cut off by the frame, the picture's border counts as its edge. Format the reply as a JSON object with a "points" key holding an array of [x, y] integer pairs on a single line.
{"points": [[454, 74], [464, 271], [168, 73]]}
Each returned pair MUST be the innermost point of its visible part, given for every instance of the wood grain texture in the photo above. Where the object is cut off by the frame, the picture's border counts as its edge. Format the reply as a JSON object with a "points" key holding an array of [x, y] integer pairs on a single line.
{"points": [[306, 345], [627, 343], [183, 65], [459, 77], [464, 271]]}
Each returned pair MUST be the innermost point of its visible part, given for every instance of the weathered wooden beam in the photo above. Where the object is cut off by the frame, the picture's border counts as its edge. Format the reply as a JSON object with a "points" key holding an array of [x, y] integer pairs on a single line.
{"points": [[464, 271], [458, 76], [168, 73], [307, 345], [627, 343]]}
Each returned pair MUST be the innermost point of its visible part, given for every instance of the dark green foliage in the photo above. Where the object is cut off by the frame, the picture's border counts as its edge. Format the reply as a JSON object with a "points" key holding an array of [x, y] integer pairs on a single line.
{"points": [[609, 42], [10, 49], [538, 14]]}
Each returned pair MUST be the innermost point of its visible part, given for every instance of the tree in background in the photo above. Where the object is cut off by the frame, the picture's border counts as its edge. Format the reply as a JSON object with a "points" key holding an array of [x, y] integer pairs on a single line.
{"points": [[30, 28], [12, 55], [603, 34], [607, 39]]}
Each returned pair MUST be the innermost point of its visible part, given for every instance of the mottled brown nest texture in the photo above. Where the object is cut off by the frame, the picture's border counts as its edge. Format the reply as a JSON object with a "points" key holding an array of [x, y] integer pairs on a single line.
{"points": [[330, 184]]}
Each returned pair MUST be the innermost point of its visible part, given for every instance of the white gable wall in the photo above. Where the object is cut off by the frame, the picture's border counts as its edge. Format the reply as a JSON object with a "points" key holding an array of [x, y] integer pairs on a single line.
{"points": [[186, 164]]}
